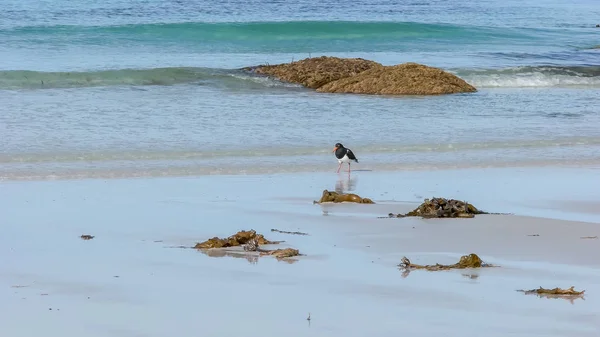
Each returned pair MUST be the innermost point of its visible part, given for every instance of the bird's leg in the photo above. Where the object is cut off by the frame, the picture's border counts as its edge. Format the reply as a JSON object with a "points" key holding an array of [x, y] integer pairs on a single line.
{"points": [[339, 166], [348, 168]]}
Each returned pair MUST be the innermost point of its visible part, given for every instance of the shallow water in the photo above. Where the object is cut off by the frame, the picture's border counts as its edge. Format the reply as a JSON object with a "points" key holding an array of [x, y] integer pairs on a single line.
{"points": [[138, 88], [182, 130]]}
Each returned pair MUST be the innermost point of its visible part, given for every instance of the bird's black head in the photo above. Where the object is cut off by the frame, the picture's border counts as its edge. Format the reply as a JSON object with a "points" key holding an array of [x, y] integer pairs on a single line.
{"points": [[337, 146]]}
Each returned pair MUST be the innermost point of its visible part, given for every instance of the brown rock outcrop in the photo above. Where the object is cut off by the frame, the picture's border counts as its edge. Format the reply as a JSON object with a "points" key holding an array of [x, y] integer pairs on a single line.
{"points": [[317, 71], [402, 79]]}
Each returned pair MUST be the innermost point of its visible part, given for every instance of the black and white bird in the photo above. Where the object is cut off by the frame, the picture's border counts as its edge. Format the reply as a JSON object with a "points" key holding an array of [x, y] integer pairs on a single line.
{"points": [[343, 155]]}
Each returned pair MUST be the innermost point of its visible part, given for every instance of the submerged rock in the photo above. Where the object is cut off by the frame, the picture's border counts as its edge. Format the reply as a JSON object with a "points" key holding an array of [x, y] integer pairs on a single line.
{"points": [[402, 79], [331, 196], [238, 239], [444, 208], [317, 71]]}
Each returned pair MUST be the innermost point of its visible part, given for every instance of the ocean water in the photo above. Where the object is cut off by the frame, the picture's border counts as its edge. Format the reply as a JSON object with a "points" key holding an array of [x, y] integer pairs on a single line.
{"points": [[135, 88]]}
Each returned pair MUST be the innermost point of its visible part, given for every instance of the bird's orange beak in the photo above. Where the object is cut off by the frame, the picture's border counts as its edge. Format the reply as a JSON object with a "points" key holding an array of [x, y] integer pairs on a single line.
{"points": [[335, 148]]}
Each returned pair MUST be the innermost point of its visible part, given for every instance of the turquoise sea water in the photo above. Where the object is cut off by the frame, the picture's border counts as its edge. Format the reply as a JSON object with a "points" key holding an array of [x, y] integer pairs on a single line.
{"points": [[122, 88]]}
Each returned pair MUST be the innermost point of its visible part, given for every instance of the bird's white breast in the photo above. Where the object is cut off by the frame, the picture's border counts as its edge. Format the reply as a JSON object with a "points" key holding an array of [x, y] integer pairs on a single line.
{"points": [[344, 159]]}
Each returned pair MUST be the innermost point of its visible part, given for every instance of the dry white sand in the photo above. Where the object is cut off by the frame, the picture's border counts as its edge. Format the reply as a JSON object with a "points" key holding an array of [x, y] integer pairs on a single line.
{"points": [[130, 281]]}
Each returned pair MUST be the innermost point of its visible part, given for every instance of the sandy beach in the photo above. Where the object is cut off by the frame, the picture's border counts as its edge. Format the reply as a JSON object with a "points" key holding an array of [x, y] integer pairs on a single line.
{"points": [[134, 279], [151, 126]]}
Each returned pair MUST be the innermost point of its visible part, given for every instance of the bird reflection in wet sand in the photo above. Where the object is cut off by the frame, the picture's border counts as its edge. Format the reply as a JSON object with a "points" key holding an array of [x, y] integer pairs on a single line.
{"points": [[345, 184], [471, 276]]}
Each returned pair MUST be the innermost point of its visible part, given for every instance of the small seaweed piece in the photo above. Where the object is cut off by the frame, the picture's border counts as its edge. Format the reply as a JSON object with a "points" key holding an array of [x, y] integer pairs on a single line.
{"points": [[556, 291], [392, 215], [282, 253], [86, 237], [286, 232], [335, 197], [466, 261]]}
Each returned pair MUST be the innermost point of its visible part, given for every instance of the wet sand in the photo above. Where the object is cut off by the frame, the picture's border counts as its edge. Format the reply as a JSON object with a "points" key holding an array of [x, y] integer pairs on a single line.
{"points": [[132, 280]]}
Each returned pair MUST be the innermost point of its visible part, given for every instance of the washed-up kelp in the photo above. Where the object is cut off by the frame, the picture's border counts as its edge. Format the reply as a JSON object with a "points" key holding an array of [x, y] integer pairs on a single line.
{"points": [[250, 242], [286, 232], [556, 291], [254, 246], [331, 196], [442, 208], [282, 253], [466, 261], [86, 237], [238, 239]]}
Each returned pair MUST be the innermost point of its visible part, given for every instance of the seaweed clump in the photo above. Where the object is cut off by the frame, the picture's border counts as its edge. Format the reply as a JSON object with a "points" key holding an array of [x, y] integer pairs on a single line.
{"points": [[238, 239], [282, 253], [86, 237], [556, 291], [250, 242], [331, 196], [444, 208], [466, 261]]}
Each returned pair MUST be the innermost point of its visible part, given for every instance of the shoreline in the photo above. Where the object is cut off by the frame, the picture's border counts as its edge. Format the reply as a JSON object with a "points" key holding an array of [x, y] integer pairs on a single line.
{"points": [[190, 171]]}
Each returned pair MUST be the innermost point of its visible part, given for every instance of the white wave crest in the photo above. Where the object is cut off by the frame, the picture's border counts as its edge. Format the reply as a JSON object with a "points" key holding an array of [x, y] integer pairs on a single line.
{"points": [[530, 79]]}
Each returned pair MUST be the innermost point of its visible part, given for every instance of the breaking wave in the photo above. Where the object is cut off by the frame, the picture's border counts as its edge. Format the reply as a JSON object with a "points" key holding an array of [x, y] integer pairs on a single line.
{"points": [[534, 76], [22, 79], [276, 31], [530, 76]]}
